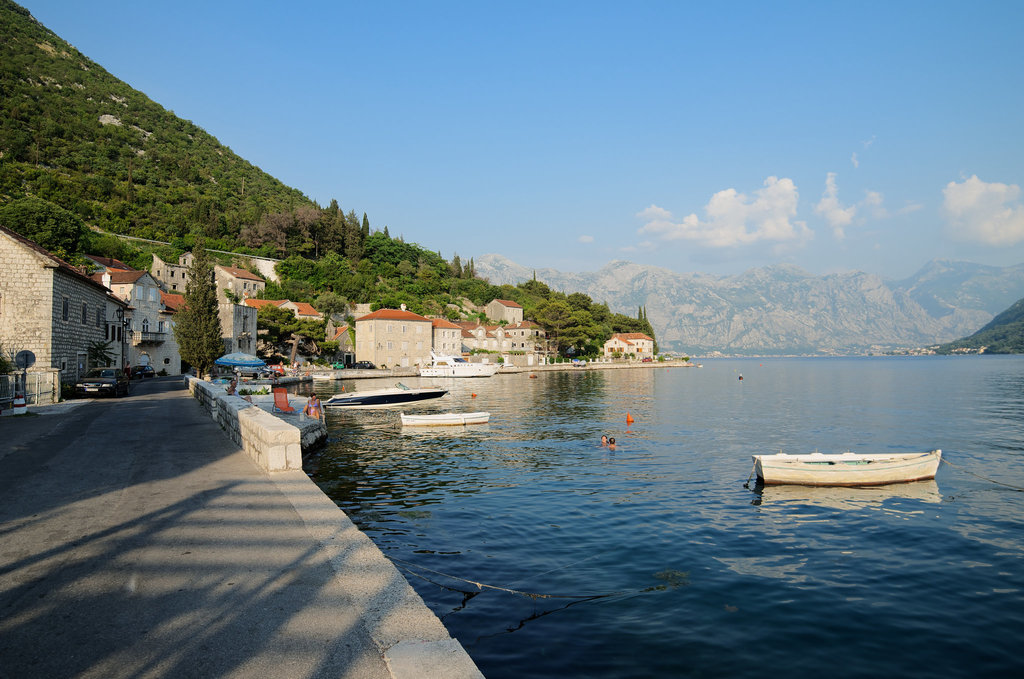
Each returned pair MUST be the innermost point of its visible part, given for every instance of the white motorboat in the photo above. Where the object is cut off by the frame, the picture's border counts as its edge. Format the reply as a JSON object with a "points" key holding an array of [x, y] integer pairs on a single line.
{"points": [[456, 366], [846, 469], [384, 398], [445, 419]]}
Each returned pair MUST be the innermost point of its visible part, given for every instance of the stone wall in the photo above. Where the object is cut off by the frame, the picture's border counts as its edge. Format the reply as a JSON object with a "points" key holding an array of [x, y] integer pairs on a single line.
{"points": [[273, 444]]}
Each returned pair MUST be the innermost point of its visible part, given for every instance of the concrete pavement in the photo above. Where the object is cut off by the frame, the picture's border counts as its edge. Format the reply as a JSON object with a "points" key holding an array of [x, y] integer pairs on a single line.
{"points": [[136, 540]]}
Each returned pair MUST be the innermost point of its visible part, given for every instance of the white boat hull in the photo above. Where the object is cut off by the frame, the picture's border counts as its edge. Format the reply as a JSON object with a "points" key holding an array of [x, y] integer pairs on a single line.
{"points": [[846, 469], [445, 419], [456, 366]]}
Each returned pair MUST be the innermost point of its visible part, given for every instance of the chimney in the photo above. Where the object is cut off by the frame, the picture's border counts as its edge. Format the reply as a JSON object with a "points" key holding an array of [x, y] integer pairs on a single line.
{"points": [[106, 279], [402, 306]]}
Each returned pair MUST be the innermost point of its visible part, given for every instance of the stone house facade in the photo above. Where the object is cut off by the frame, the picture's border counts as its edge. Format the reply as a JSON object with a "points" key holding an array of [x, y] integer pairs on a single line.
{"points": [[240, 283], [499, 310], [53, 310], [151, 337], [630, 343], [394, 338], [447, 339]]}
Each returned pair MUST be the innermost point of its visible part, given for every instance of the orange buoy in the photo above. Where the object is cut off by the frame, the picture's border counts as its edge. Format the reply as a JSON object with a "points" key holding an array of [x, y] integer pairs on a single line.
{"points": [[629, 419], [474, 395]]}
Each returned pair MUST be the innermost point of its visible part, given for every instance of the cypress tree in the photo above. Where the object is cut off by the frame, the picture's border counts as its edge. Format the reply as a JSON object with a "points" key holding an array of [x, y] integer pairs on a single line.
{"points": [[197, 325]]}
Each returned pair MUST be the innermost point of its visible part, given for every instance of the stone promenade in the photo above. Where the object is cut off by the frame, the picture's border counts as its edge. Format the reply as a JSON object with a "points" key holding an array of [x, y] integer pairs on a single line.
{"points": [[136, 540]]}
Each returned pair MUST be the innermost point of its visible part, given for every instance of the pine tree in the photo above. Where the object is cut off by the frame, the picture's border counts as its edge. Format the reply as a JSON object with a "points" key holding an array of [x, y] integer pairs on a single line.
{"points": [[197, 325]]}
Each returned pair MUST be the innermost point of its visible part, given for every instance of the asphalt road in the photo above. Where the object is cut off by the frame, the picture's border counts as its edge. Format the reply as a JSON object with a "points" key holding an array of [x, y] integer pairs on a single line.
{"points": [[136, 540]]}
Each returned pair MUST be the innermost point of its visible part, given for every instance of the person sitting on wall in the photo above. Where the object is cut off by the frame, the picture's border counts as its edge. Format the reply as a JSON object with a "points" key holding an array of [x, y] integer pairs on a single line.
{"points": [[313, 408]]}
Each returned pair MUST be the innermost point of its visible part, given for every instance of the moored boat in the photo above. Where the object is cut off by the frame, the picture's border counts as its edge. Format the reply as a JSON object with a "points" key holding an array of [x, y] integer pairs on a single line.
{"points": [[456, 366], [384, 398], [445, 419], [846, 469]]}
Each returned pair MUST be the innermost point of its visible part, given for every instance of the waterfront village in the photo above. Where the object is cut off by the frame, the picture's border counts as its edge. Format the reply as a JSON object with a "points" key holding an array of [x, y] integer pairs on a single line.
{"points": [[62, 313]]}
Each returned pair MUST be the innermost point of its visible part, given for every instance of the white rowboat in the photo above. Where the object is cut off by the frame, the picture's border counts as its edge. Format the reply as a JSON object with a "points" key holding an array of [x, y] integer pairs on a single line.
{"points": [[444, 419], [846, 469]]}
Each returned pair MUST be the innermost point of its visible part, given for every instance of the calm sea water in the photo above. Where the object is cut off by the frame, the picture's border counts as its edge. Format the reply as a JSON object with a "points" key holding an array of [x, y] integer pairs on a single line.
{"points": [[693, 574]]}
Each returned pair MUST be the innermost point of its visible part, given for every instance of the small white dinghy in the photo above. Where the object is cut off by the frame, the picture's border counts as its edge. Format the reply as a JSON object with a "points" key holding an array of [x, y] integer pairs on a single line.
{"points": [[846, 469], [445, 419]]}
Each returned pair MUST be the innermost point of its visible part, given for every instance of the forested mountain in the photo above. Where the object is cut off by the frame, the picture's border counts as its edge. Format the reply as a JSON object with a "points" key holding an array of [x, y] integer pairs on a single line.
{"points": [[1003, 335], [785, 310], [81, 151], [74, 135]]}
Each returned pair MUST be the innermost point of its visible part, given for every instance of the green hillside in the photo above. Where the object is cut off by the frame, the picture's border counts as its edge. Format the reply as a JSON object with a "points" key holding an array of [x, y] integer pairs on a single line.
{"points": [[1004, 334], [81, 151], [74, 135]]}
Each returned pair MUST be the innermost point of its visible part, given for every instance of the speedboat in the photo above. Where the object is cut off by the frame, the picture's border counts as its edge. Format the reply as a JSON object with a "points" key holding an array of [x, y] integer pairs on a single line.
{"points": [[456, 366], [383, 398], [846, 469]]}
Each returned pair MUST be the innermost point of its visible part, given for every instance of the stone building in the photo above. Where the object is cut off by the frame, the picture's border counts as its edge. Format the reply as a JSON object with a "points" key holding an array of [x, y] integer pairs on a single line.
{"points": [[394, 338], [447, 339], [635, 344], [55, 311], [233, 284], [499, 310], [151, 338]]}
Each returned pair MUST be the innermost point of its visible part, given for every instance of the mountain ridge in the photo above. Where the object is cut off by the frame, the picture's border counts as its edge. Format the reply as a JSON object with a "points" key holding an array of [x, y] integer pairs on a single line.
{"points": [[783, 309]]}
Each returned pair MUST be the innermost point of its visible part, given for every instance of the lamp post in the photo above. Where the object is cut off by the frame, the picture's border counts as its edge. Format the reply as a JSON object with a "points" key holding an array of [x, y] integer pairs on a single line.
{"points": [[123, 326]]}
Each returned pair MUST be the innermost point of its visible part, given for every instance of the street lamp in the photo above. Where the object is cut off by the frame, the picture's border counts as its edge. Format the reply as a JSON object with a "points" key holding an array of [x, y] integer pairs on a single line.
{"points": [[123, 326]]}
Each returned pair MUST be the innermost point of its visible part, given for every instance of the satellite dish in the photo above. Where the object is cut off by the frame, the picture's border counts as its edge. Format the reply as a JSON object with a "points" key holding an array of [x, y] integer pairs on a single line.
{"points": [[25, 359]]}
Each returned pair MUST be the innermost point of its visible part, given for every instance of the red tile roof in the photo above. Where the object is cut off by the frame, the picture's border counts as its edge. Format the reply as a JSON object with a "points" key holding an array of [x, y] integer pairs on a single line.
{"points": [[260, 303], [110, 263], [304, 309], [172, 301], [442, 323], [628, 337], [507, 303], [392, 315], [119, 277], [241, 273]]}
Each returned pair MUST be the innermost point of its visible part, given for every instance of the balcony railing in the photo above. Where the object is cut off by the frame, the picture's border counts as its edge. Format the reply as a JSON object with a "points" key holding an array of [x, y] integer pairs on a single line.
{"points": [[147, 337]]}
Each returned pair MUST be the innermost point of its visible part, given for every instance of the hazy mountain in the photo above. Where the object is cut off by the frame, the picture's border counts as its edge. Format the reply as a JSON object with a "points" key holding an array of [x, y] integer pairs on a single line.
{"points": [[783, 309], [1004, 334]]}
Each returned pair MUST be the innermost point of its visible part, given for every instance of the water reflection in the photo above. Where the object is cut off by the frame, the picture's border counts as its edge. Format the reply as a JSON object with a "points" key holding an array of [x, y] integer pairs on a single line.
{"points": [[874, 497]]}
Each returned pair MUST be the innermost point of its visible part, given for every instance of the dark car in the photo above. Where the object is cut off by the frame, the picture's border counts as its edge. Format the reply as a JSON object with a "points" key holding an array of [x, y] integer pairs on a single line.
{"points": [[102, 382], [262, 372], [364, 365], [141, 371]]}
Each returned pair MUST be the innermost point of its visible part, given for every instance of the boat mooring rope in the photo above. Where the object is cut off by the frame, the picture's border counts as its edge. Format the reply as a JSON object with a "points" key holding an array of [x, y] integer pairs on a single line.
{"points": [[412, 569], [983, 478]]}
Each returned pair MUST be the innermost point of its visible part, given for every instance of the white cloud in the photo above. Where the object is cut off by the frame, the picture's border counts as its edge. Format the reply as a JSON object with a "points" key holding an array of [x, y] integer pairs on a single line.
{"points": [[734, 218], [853, 159], [829, 207], [989, 213], [586, 239]]}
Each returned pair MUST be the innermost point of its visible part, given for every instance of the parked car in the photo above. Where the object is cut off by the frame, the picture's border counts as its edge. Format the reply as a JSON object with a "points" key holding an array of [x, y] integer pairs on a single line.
{"points": [[364, 365], [256, 373], [338, 366], [103, 382], [141, 371]]}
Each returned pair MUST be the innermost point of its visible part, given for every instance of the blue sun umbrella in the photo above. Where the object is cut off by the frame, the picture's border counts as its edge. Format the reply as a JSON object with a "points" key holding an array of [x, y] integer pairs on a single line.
{"points": [[240, 360]]}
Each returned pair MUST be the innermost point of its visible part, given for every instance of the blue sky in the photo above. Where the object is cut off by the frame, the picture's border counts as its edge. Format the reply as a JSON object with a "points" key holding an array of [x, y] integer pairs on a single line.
{"points": [[697, 136]]}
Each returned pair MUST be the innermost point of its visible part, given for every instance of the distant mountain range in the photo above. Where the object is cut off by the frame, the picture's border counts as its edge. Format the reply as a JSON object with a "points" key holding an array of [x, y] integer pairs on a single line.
{"points": [[784, 310]]}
